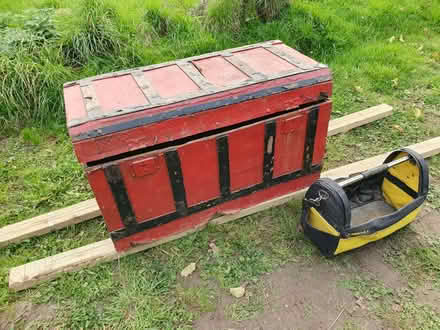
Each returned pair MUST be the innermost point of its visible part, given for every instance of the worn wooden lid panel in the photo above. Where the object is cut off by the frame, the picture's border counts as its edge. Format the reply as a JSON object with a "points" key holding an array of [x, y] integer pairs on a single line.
{"points": [[170, 81], [74, 104], [219, 72], [118, 92], [262, 61], [144, 89], [288, 53]]}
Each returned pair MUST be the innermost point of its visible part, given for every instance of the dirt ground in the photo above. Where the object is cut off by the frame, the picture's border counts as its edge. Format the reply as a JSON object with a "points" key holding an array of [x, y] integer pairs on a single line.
{"points": [[26, 315], [314, 297]]}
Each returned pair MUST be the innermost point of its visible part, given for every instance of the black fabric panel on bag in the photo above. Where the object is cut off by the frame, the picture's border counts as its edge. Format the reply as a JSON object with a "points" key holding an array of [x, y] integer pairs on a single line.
{"points": [[335, 208], [326, 243]]}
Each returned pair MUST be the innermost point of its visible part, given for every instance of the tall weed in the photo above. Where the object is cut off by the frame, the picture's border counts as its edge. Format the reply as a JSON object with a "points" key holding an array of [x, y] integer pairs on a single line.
{"points": [[232, 15], [226, 16], [89, 31], [268, 10], [30, 91], [26, 31]]}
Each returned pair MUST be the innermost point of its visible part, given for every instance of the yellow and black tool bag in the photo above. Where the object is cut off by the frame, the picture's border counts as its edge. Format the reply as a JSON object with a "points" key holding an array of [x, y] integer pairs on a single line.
{"points": [[343, 214]]}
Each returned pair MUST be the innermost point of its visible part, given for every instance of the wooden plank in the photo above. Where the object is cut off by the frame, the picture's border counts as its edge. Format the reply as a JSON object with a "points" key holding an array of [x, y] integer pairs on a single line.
{"points": [[89, 209], [49, 222], [28, 275], [346, 123]]}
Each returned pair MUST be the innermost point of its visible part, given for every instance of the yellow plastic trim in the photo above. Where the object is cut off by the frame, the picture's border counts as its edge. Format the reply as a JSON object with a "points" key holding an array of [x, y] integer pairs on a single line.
{"points": [[395, 196], [318, 222], [406, 172]]}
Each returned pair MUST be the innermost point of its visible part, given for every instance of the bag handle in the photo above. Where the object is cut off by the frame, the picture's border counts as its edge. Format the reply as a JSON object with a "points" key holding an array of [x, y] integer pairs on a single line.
{"points": [[372, 172]]}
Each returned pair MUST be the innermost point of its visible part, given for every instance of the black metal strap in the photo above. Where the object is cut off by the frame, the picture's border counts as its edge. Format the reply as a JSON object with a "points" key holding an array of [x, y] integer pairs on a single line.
{"points": [[223, 166], [312, 122], [269, 151], [176, 180], [116, 182]]}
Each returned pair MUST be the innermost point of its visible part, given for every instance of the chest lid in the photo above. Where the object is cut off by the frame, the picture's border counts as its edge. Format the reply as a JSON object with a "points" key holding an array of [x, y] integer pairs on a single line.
{"points": [[153, 93]]}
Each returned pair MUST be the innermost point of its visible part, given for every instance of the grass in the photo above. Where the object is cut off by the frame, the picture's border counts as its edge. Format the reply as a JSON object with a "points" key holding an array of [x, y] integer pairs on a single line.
{"points": [[397, 308], [249, 307], [379, 51]]}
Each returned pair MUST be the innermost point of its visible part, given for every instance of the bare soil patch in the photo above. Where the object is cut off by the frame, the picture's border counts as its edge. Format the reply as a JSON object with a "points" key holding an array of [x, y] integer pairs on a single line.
{"points": [[27, 315], [428, 224], [299, 297], [428, 295], [370, 261]]}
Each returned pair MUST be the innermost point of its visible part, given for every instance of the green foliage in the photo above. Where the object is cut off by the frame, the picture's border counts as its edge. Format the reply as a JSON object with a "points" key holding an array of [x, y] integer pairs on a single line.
{"points": [[370, 289], [18, 6], [30, 78], [13, 40], [26, 32], [232, 15], [31, 135], [384, 302], [159, 22], [40, 23], [225, 15], [200, 299], [89, 31], [427, 258], [420, 261], [36, 176], [249, 307], [268, 10], [232, 269], [31, 91]]}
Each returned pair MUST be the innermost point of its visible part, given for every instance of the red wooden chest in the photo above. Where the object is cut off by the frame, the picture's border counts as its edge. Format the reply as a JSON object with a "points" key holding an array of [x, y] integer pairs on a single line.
{"points": [[168, 147]]}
